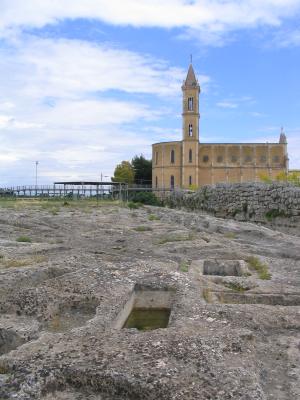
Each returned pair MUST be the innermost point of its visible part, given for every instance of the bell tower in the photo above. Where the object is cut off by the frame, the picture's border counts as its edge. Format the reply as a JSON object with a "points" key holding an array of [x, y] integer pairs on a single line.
{"points": [[190, 109], [190, 130]]}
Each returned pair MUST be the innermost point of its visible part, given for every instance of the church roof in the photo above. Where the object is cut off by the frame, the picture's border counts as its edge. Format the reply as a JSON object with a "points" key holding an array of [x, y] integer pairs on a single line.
{"points": [[191, 79]]}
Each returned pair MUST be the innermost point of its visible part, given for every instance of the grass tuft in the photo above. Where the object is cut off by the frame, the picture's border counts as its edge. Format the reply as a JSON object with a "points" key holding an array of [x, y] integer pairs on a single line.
{"points": [[261, 268], [153, 217], [142, 228], [230, 235], [184, 266], [236, 286], [24, 239]]}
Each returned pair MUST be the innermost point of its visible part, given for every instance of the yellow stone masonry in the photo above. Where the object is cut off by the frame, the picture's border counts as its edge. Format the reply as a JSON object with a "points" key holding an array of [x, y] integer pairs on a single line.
{"points": [[188, 163]]}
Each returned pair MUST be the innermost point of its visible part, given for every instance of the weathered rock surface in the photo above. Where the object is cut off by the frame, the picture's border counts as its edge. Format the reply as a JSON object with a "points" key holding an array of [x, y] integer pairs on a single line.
{"points": [[276, 205], [232, 336]]}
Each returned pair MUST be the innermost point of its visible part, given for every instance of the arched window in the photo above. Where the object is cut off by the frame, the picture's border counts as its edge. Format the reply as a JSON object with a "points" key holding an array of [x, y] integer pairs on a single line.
{"points": [[190, 130], [263, 159], [190, 180], [156, 182], [190, 104], [190, 155], [156, 157], [205, 158], [172, 156], [172, 182]]}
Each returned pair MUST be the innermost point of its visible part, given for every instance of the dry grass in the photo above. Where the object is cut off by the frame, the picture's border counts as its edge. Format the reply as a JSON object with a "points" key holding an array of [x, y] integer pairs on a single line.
{"points": [[52, 204], [230, 235], [176, 238], [18, 263], [207, 295], [3, 369], [261, 268], [55, 323]]}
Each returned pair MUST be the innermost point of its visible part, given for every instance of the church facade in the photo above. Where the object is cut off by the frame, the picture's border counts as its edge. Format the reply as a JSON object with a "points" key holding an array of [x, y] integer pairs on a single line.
{"points": [[190, 163]]}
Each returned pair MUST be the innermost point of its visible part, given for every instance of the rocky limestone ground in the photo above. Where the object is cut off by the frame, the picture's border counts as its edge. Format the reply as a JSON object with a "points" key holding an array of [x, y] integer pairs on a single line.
{"points": [[67, 273]]}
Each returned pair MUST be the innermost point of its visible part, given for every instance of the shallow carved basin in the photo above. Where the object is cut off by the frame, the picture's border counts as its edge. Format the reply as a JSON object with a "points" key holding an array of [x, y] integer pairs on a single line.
{"points": [[71, 316], [223, 268]]}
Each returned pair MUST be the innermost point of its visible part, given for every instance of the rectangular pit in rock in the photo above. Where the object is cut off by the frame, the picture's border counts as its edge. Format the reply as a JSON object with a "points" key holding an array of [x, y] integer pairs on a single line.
{"points": [[146, 319], [147, 309], [224, 268], [270, 299]]}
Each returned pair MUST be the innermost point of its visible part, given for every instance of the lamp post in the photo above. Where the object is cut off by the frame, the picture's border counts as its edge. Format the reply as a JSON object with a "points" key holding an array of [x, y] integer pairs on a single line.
{"points": [[36, 173], [102, 176]]}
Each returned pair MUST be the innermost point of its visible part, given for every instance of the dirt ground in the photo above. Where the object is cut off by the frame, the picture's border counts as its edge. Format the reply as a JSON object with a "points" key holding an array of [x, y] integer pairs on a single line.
{"points": [[68, 272]]}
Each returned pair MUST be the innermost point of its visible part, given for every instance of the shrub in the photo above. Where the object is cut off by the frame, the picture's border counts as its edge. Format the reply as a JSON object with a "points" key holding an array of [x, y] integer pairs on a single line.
{"points": [[194, 188], [274, 213], [148, 198], [153, 217], [24, 239], [133, 206]]}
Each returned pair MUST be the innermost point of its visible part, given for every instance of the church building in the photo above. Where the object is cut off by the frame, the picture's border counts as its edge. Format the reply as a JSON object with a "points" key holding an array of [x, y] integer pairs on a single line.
{"points": [[190, 163]]}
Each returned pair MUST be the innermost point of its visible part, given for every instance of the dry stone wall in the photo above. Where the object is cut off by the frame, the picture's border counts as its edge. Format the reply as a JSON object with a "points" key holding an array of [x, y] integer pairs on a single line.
{"points": [[257, 202]]}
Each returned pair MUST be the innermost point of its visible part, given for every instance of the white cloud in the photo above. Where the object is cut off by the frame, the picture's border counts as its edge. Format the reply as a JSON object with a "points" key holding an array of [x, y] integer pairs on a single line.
{"points": [[257, 114], [236, 102], [227, 104], [9, 122], [56, 105], [6, 105], [55, 68], [287, 38], [210, 17]]}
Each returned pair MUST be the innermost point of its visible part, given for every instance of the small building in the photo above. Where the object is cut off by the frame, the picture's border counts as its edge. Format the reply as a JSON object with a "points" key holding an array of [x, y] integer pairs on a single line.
{"points": [[189, 163]]}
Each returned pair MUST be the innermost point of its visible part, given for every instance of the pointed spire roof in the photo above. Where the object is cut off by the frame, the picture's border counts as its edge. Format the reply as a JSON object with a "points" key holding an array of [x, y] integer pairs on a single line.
{"points": [[282, 138], [191, 79]]}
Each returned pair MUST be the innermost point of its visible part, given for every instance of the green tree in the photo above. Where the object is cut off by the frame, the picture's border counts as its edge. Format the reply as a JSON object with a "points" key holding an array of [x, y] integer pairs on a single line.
{"points": [[123, 173], [142, 170]]}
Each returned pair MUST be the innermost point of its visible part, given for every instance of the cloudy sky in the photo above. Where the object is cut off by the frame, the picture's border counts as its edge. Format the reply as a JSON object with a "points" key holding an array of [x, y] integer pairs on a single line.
{"points": [[85, 84]]}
